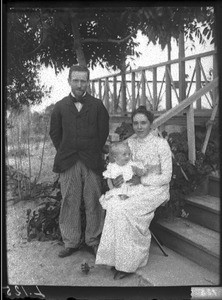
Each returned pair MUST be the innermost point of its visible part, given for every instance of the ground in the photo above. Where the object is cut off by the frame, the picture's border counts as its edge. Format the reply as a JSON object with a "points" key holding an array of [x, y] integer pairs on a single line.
{"points": [[37, 262]]}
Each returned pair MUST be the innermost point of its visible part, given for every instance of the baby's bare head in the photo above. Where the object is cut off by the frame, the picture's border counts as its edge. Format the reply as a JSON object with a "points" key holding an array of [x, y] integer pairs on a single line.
{"points": [[120, 153]]}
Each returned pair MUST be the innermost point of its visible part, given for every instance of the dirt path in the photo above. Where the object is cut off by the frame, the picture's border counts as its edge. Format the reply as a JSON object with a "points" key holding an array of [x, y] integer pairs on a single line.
{"points": [[37, 263]]}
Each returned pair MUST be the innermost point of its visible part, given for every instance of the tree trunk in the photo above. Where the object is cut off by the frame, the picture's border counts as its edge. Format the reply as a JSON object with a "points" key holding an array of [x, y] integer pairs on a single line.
{"points": [[77, 45], [123, 90]]}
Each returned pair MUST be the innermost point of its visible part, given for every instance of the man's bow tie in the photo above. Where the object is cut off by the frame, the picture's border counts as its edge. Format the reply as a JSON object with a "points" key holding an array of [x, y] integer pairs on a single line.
{"points": [[81, 100]]}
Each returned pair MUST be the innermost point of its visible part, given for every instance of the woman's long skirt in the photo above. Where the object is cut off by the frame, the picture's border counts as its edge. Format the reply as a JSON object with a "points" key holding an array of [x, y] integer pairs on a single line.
{"points": [[125, 240]]}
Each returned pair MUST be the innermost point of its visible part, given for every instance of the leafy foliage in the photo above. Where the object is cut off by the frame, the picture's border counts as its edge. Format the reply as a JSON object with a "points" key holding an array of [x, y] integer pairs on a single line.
{"points": [[163, 23], [124, 131], [61, 37], [24, 88], [22, 84], [43, 222], [85, 268]]}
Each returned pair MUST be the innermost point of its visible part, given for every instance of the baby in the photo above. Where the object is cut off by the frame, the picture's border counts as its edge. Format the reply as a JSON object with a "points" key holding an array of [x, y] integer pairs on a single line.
{"points": [[121, 164]]}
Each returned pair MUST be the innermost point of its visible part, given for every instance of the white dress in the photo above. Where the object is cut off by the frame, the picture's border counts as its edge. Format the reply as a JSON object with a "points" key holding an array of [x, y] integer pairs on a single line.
{"points": [[114, 170], [126, 237]]}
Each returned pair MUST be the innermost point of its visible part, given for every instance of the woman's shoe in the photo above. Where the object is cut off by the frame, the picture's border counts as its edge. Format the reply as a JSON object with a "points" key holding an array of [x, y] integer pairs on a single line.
{"points": [[113, 269], [121, 275], [124, 275]]}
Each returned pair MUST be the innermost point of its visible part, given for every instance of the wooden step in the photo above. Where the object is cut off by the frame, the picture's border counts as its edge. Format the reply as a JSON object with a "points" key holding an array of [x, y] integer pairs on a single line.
{"points": [[204, 210], [199, 244], [214, 186]]}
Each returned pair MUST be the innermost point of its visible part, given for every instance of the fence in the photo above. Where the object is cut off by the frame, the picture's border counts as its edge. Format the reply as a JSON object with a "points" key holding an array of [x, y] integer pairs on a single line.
{"points": [[160, 87]]}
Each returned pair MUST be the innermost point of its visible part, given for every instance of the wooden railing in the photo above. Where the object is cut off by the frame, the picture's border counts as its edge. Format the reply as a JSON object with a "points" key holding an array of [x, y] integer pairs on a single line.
{"points": [[160, 87], [147, 89], [187, 105]]}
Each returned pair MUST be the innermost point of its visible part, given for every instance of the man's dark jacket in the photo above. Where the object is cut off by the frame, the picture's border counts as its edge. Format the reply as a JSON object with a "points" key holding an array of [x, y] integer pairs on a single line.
{"points": [[79, 135]]}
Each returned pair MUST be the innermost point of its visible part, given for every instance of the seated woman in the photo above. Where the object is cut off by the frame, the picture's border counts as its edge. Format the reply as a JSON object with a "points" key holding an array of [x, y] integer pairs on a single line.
{"points": [[125, 240]]}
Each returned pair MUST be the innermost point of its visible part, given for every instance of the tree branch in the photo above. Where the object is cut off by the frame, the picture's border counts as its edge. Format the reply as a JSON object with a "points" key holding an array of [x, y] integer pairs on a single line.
{"points": [[77, 42], [94, 40], [44, 36]]}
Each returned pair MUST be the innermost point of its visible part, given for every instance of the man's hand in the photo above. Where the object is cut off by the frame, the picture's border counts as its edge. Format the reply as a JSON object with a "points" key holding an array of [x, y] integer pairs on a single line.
{"points": [[135, 180], [118, 181]]}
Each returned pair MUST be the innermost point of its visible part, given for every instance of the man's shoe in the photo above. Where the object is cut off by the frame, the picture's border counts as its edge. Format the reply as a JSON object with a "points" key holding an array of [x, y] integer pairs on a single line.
{"points": [[67, 252]]}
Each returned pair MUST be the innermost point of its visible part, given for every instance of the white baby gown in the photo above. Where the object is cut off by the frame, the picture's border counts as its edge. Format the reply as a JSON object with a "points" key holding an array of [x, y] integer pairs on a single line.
{"points": [[114, 170], [126, 237]]}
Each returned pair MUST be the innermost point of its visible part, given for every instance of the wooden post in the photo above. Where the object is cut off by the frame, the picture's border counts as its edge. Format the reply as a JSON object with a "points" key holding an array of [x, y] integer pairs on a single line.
{"points": [[182, 87], [191, 134], [143, 96], [123, 86], [133, 91], [155, 100], [168, 89], [198, 80]]}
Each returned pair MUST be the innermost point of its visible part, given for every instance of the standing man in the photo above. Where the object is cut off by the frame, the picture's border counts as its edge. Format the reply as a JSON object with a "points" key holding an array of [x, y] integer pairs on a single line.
{"points": [[79, 128]]}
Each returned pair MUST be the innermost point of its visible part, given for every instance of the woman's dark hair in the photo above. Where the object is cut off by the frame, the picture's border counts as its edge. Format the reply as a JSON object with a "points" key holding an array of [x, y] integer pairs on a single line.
{"points": [[142, 110]]}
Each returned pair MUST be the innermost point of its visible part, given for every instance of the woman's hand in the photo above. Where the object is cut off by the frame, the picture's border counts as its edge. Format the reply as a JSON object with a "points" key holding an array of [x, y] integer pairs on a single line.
{"points": [[118, 181], [138, 171], [135, 180]]}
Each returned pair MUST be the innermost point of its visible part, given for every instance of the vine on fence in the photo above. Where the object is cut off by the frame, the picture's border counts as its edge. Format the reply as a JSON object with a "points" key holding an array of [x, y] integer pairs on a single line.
{"points": [[25, 130]]}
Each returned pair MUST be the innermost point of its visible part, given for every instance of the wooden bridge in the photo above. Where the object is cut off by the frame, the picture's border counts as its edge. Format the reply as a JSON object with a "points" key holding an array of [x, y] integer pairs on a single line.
{"points": [[174, 96]]}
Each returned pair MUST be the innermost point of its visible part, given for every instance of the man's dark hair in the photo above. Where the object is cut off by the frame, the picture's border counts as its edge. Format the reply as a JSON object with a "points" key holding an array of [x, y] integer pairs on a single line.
{"points": [[142, 110], [78, 68]]}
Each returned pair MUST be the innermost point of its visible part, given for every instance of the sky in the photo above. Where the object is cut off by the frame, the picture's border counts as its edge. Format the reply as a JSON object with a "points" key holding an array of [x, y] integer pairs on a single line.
{"points": [[150, 54]]}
